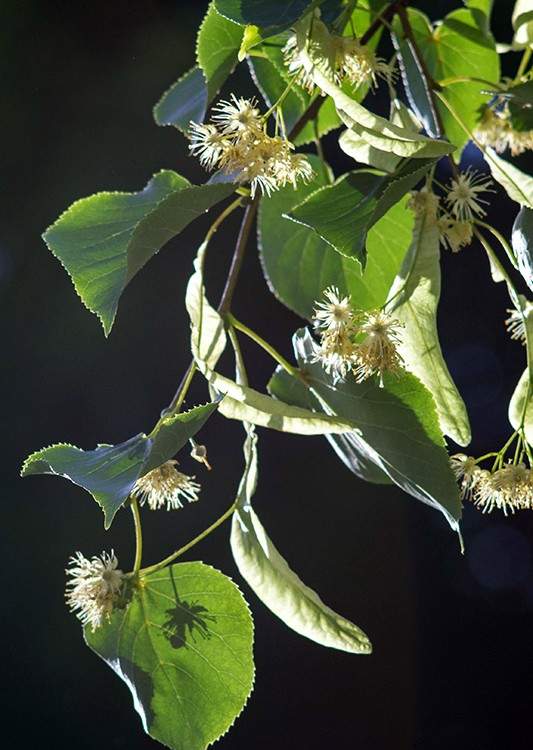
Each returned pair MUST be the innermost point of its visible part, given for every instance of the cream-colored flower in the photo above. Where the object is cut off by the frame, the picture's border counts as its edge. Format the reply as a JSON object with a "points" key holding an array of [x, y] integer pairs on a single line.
{"points": [[207, 143], [466, 472], [292, 57], [424, 203], [455, 234], [237, 143], [378, 351], [335, 353], [237, 117], [463, 196], [496, 130], [359, 64], [515, 326], [507, 489], [166, 486], [93, 587], [335, 313]]}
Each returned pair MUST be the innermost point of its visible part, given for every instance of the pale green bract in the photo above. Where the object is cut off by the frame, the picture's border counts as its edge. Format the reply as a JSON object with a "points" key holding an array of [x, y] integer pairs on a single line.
{"points": [[240, 402], [414, 297], [521, 404], [517, 184], [182, 643], [274, 582]]}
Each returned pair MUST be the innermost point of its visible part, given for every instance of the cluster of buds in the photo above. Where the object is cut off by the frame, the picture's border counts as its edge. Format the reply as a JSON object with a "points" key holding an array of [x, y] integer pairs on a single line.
{"points": [[93, 587], [496, 131], [338, 57], [508, 488], [363, 343], [236, 142], [462, 203]]}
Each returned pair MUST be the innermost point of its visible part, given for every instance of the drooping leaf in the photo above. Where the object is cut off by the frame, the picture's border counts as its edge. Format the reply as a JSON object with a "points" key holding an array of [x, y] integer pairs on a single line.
{"points": [[414, 297], [522, 238], [104, 240], [299, 265], [346, 446], [240, 402], [183, 646], [109, 472], [517, 184], [397, 427], [185, 101], [271, 16], [457, 47], [217, 48], [275, 583], [343, 213]]}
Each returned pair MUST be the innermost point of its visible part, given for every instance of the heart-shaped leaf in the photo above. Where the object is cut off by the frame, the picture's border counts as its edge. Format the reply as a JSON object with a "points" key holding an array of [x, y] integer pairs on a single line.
{"points": [[183, 646]]}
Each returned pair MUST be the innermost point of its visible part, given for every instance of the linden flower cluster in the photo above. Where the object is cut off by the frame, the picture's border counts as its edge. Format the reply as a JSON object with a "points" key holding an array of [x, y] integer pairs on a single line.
{"points": [[235, 141], [462, 201], [166, 486], [516, 327], [509, 488], [339, 57], [364, 343], [93, 587], [496, 130]]}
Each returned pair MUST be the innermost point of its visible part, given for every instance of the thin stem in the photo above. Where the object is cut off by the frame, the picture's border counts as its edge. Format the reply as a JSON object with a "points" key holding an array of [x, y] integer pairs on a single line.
{"points": [[501, 239], [232, 320], [523, 63], [192, 543], [138, 535], [282, 96], [185, 384], [238, 255]]}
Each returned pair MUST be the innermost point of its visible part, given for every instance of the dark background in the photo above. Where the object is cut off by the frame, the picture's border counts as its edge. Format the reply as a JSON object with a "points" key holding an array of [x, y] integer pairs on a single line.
{"points": [[452, 635]]}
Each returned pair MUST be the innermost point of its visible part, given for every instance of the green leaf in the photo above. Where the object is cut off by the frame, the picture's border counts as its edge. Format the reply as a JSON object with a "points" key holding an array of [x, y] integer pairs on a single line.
{"points": [[517, 184], [208, 340], [104, 240], [481, 11], [343, 213], [184, 101], [217, 48], [457, 47], [414, 297], [109, 472], [397, 427], [346, 446], [271, 16], [183, 646], [299, 265], [275, 583], [522, 238]]}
